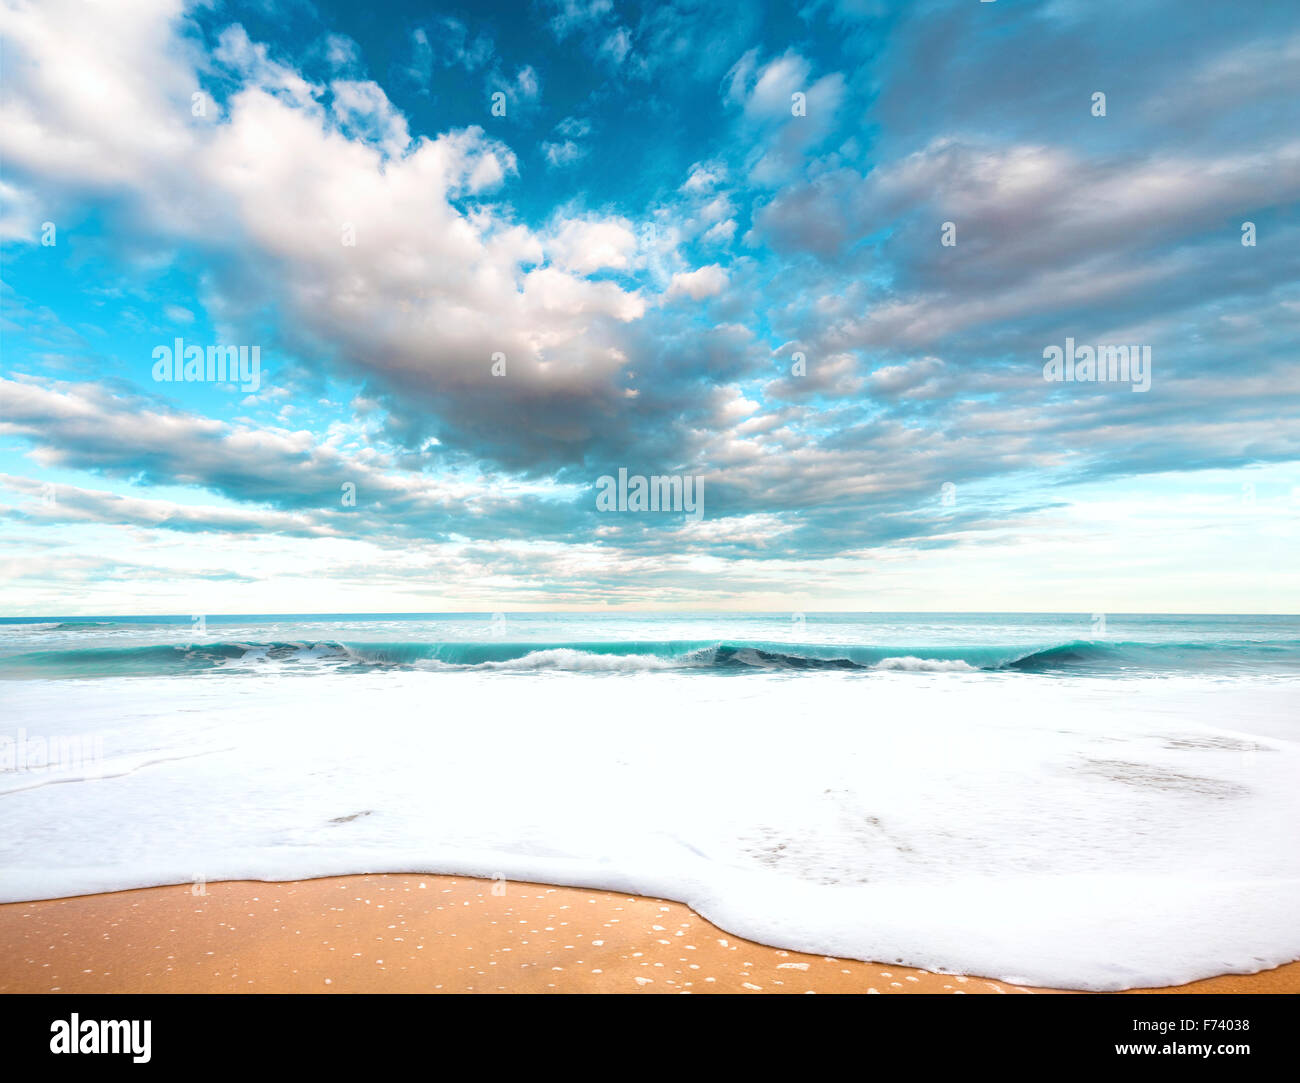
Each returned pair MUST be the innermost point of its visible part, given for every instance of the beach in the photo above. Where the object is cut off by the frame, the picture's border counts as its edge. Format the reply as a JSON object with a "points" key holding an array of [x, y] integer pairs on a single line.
{"points": [[1126, 844], [414, 933], [1119, 820]]}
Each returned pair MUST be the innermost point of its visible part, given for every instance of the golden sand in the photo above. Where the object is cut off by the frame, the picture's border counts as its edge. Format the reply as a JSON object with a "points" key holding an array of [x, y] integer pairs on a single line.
{"points": [[431, 934]]}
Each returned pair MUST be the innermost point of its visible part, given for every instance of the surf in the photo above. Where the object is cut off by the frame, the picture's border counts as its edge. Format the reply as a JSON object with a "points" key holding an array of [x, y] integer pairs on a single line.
{"points": [[1100, 658]]}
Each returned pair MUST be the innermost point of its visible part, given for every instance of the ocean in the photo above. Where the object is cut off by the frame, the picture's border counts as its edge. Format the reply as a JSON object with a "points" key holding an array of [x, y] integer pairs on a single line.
{"points": [[1069, 800]]}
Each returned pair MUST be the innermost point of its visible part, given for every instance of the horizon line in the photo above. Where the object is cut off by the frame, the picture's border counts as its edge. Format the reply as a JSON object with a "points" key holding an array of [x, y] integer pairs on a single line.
{"points": [[39, 617]]}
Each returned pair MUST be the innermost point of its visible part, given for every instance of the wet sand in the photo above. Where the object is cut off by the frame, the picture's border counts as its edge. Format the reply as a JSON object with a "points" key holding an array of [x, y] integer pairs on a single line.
{"points": [[432, 934]]}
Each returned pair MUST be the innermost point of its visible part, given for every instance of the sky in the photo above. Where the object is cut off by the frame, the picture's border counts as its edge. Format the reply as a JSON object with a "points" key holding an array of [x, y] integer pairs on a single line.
{"points": [[813, 255]]}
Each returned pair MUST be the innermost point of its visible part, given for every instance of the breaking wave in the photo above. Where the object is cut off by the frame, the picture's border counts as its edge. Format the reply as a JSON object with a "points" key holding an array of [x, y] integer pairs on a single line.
{"points": [[1099, 657]]}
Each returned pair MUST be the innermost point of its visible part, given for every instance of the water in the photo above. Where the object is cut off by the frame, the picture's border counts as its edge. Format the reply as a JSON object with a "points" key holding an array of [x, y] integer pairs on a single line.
{"points": [[1032, 643], [1034, 798]]}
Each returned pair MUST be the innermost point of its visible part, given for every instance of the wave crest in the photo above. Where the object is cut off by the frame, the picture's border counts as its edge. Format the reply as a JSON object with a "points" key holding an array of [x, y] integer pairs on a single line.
{"points": [[1097, 657]]}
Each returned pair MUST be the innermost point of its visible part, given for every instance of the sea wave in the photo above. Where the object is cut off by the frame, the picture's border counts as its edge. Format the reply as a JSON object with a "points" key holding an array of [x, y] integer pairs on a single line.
{"points": [[1099, 657]]}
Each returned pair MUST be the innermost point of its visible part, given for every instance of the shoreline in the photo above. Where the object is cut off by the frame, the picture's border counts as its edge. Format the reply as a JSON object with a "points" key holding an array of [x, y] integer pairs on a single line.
{"points": [[411, 932]]}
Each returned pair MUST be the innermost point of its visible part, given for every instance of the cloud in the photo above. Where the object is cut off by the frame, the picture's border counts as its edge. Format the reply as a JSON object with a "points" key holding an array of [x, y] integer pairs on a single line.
{"points": [[284, 481], [562, 154], [595, 24], [1040, 232], [586, 245], [423, 299], [568, 146], [363, 111], [698, 285], [704, 176], [786, 113], [570, 16], [646, 307], [341, 53], [69, 504], [616, 46]]}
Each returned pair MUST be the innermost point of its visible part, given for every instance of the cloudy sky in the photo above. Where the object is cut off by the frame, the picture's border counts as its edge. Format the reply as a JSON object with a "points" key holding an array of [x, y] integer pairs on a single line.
{"points": [[490, 253]]}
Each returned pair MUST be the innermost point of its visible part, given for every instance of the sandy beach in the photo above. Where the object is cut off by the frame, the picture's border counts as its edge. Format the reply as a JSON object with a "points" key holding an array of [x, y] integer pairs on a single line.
{"points": [[432, 934]]}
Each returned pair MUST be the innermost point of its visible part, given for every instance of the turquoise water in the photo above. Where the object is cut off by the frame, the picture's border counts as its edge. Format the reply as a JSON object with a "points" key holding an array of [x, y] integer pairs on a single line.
{"points": [[1117, 645]]}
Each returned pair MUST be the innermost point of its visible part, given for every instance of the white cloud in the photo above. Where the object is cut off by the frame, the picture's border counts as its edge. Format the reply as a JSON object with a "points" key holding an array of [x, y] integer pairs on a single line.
{"points": [[19, 214], [704, 176], [568, 148], [253, 61], [429, 291], [527, 83], [178, 314], [617, 45], [562, 154], [362, 108], [722, 233], [590, 245], [769, 94], [574, 15], [698, 284]]}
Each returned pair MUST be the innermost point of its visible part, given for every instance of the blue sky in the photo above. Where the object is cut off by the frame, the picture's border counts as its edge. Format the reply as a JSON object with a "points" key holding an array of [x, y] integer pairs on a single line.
{"points": [[651, 212]]}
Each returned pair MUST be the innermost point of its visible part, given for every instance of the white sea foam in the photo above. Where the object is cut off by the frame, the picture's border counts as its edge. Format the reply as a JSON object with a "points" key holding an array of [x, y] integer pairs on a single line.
{"points": [[925, 665], [567, 658], [1072, 832]]}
